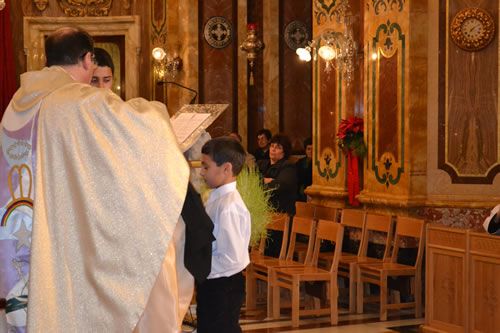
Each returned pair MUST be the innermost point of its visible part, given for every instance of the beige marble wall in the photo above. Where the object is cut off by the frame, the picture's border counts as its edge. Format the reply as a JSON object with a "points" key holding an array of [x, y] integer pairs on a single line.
{"points": [[329, 163], [36, 28], [242, 74], [410, 152], [271, 64], [182, 41]]}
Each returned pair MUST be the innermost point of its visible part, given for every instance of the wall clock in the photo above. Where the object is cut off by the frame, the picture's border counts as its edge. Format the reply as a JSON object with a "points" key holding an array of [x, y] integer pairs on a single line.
{"points": [[472, 29]]}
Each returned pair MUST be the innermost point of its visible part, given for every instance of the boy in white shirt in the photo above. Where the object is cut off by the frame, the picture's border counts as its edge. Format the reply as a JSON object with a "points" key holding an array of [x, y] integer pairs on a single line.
{"points": [[220, 296]]}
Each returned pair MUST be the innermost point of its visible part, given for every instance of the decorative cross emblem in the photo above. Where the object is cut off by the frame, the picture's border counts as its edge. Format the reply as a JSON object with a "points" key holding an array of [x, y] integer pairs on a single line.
{"points": [[219, 32]]}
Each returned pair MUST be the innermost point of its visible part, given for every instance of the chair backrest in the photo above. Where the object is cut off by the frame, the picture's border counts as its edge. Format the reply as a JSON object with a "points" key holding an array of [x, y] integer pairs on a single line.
{"points": [[332, 232], [409, 227], [355, 218], [380, 223], [304, 226], [326, 213], [304, 209], [279, 222]]}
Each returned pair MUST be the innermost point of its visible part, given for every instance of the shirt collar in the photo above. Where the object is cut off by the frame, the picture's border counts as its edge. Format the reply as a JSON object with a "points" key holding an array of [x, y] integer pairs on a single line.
{"points": [[221, 191]]}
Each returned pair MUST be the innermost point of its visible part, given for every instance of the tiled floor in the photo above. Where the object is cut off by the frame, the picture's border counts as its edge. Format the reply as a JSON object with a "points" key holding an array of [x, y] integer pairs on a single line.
{"points": [[398, 321]]}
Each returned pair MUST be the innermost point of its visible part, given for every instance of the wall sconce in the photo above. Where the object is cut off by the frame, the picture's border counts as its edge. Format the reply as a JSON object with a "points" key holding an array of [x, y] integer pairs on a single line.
{"points": [[252, 45], [337, 49], [163, 65], [304, 53]]}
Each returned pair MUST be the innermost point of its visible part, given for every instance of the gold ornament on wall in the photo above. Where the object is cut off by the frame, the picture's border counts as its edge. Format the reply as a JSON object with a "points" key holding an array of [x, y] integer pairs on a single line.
{"points": [[472, 29], [75, 8], [252, 45], [41, 5]]}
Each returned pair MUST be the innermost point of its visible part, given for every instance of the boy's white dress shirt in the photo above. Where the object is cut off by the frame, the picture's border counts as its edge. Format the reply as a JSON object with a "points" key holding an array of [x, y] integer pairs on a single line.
{"points": [[232, 229]]}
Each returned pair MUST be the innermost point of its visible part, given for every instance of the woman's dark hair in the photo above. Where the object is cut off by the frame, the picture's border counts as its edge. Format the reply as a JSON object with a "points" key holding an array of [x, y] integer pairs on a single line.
{"points": [[68, 46], [284, 141], [104, 59]]}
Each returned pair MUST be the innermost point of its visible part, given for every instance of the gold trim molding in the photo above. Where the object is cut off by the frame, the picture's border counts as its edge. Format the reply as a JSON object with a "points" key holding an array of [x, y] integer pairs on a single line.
{"points": [[41, 5], [80, 8]]}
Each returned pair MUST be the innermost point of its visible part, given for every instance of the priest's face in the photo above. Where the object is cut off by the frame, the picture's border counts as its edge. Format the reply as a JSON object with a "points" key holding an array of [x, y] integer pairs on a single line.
{"points": [[103, 77]]}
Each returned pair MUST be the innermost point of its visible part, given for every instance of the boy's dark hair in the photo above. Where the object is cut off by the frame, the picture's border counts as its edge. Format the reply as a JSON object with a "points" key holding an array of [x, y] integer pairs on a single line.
{"points": [[284, 141], [266, 132], [308, 142], [68, 46], [104, 59], [225, 149]]}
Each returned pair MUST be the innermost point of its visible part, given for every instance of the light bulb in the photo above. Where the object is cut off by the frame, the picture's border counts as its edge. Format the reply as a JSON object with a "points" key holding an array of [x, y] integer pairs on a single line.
{"points": [[158, 53], [304, 53], [327, 52]]}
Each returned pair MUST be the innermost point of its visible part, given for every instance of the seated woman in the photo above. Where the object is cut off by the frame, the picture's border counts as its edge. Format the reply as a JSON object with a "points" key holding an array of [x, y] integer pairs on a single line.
{"points": [[280, 176], [103, 74]]}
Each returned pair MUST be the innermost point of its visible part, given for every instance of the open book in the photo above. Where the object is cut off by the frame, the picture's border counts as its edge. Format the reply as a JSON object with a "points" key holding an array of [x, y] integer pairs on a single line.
{"points": [[192, 119]]}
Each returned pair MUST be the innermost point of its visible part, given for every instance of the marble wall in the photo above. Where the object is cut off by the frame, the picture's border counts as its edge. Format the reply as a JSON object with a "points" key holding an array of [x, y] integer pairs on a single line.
{"points": [[431, 115], [334, 99]]}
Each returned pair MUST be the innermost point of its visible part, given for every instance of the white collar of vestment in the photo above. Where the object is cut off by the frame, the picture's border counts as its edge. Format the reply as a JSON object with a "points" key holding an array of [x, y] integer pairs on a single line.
{"points": [[222, 190]]}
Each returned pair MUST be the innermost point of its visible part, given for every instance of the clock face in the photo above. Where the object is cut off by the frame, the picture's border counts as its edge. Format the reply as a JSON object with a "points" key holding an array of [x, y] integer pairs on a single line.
{"points": [[472, 28]]}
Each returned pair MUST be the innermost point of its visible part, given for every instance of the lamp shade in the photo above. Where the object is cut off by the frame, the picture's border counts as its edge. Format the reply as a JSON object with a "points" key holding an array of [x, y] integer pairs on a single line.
{"points": [[304, 53], [159, 53], [327, 52]]}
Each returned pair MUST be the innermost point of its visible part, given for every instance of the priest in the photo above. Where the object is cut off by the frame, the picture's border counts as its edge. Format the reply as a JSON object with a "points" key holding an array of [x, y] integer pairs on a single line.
{"points": [[92, 193]]}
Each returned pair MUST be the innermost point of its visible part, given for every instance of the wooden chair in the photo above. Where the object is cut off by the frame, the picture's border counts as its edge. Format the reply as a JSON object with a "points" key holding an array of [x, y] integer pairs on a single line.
{"points": [[326, 213], [303, 209], [259, 267], [280, 222], [354, 219], [291, 277], [377, 273], [373, 223]]}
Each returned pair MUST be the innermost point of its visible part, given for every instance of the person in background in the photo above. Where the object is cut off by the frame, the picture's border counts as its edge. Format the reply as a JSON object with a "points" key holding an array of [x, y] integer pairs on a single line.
{"points": [[103, 74], [304, 171], [280, 176], [263, 137], [249, 159], [220, 296], [492, 222]]}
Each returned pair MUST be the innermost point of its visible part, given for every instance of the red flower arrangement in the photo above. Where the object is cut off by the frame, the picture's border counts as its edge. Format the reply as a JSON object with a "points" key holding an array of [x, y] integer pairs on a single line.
{"points": [[350, 136]]}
